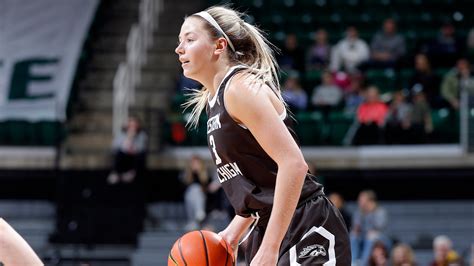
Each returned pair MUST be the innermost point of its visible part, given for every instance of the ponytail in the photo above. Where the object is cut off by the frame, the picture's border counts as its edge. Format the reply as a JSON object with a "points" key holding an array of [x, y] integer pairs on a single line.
{"points": [[264, 66]]}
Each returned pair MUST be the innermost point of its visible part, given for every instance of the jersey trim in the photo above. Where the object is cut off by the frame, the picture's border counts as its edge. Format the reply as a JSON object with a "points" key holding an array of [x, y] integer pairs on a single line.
{"points": [[213, 100]]}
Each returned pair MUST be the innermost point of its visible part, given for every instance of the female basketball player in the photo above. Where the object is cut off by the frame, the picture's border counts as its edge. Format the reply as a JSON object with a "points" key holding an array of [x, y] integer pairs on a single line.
{"points": [[13, 248], [259, 164]]}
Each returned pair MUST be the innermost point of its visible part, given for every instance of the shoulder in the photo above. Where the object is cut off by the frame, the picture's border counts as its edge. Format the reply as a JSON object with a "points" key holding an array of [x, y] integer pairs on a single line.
{"points": [[243, 89], [245, 97]]}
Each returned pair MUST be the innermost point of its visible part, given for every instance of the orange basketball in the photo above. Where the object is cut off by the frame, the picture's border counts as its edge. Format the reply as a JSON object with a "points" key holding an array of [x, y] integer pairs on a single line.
{"points": [[201, 248]]}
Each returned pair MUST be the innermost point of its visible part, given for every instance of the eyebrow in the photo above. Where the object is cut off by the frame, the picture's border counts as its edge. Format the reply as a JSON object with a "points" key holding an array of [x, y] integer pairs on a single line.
{"points": [[184, 35]]}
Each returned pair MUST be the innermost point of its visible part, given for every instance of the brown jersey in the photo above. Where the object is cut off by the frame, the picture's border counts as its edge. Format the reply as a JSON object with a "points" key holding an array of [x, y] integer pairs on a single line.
{"points": [[245, 171]]}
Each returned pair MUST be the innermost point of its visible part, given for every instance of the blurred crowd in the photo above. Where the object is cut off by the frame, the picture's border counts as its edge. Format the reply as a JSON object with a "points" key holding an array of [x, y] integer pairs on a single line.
{"points": [[400, 115], [367, 222]]}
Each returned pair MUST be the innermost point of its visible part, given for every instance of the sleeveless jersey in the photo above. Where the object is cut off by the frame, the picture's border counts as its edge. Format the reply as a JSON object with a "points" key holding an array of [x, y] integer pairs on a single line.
{"points": [[245, 171]]}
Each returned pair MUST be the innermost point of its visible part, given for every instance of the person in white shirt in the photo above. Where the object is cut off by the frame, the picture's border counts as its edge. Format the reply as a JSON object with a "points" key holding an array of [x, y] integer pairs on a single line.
{"points": [[349, 53]]}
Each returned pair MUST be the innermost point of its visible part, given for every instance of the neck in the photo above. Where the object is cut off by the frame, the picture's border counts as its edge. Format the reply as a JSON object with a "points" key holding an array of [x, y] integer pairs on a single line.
{"points": [[215, 77]]}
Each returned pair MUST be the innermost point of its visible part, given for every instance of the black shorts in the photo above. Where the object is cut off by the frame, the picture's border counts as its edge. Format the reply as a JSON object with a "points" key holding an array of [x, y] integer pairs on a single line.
{"points": [[317, 235]]}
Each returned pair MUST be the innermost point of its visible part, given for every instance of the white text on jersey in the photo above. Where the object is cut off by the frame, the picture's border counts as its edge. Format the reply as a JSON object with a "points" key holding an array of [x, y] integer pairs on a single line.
{"points": [[213, 123], [228, 171]]}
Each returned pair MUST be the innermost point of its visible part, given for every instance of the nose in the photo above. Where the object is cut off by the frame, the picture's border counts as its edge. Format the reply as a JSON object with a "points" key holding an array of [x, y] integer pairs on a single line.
{"points": [[179, 49]]}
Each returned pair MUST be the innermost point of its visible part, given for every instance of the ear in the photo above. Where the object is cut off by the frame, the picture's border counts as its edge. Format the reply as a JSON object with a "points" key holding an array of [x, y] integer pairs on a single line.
{"points": [[221, 44]]}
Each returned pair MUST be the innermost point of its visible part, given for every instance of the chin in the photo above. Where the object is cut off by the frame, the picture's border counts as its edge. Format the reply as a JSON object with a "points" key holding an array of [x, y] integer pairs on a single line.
{"points": [[189, 74]]}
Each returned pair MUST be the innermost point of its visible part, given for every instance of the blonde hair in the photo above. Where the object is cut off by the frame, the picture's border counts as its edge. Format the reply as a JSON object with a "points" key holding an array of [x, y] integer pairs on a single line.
{"points": [[252, 50], [408, 258], [202, 173]]}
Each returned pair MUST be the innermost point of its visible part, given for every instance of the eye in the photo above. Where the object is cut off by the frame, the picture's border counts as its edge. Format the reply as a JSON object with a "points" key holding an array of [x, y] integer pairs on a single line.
{"points": [[190, 40]]}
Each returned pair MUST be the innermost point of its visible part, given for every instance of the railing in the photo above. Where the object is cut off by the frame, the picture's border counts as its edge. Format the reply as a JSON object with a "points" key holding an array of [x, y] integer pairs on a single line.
{"points": [[128, 75]]}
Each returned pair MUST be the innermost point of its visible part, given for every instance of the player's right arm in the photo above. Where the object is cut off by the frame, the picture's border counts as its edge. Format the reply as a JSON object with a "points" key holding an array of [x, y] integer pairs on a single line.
{"points": [[13, 248], [236, 230]]}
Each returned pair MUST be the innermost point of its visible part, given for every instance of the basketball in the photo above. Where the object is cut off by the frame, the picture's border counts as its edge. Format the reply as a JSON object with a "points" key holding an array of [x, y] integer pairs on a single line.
{"points": [[201, 248]]}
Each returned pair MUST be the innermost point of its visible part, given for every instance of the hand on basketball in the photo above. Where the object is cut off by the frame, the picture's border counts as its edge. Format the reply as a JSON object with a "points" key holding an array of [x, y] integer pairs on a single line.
{"points": [[233, 245], [265, 257]]}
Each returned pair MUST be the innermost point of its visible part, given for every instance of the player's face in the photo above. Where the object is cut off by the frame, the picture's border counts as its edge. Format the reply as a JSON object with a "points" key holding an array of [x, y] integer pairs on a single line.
{"points": [[195, 48]]}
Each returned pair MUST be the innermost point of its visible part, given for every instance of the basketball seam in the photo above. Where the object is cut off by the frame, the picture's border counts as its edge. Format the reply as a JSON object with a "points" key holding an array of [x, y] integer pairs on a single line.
{"points": [[181, 253], [174, 261], [205, 247], [227, 255]]}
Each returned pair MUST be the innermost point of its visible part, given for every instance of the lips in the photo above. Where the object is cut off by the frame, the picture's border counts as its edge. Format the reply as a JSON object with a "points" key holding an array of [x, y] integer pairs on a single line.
{"points": [[184, 62]]}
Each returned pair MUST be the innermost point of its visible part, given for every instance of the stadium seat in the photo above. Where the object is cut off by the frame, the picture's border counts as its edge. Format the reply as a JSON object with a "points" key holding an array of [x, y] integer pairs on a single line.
{"points": [[310, 128], [339, 122], [384, 79]]}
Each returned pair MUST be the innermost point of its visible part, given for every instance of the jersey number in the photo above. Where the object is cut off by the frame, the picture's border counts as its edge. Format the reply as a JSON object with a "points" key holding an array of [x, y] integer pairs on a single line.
{"points": [[214, 150]]}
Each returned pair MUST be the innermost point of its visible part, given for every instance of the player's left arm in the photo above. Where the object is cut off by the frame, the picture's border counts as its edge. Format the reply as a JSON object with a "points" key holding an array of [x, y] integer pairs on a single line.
{"points": [[256, 109], [13, 248]]}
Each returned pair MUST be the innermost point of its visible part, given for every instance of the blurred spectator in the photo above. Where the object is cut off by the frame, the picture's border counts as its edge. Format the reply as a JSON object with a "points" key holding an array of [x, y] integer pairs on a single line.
{"points": [[425, 80], [326, 95], [292, 57], [446, 47], [129, 152], [398, 123], [379, 255], [387, 46], [342, 79], [338, 202], [421, 121], [349, 53], [403, 255], [444, 255], [354, 96], [459, 79], [293, 94], [318, 53], [196, 178], [371, 117], [368, 226]]}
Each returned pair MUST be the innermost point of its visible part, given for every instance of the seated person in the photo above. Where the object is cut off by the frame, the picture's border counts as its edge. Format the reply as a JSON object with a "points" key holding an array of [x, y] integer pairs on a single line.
{"points": [[326, 95], [349, 53], [354, 95], [424, 79], [129, 151], [458, 79], [318, 53], [371, 117], [387, 46], [444, 255], [398, 123], [368, 227], [379, 255], [293, 94], [292, 56], [403, 255], [196, 178], [421, 121]]}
